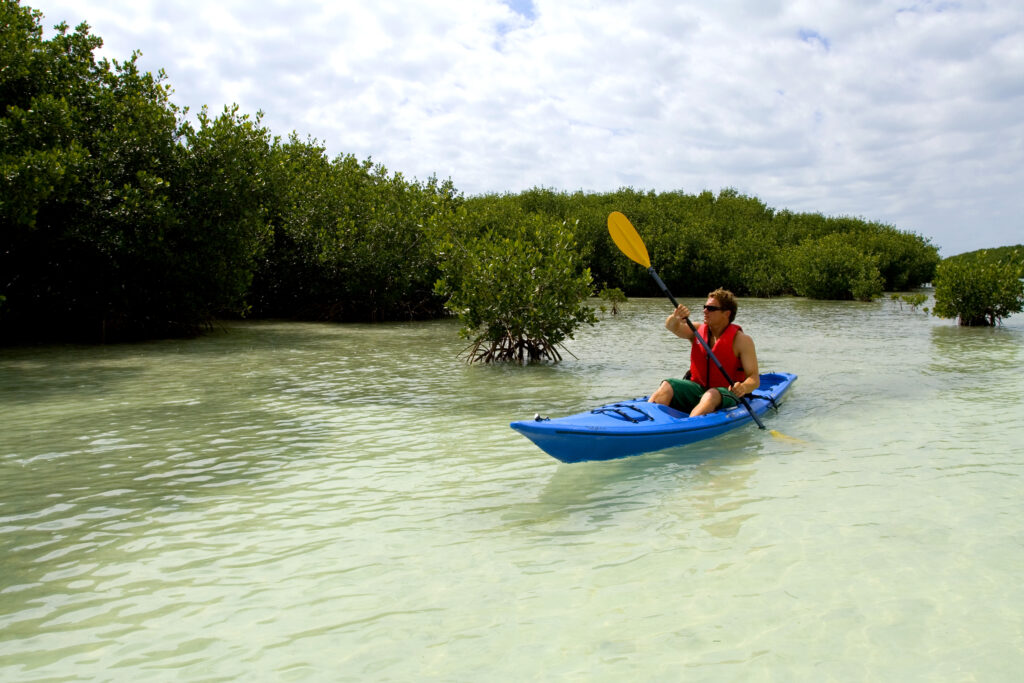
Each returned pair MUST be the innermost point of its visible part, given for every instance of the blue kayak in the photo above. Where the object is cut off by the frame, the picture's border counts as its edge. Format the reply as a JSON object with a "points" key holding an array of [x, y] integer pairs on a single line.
{"points": [[617, 430]]}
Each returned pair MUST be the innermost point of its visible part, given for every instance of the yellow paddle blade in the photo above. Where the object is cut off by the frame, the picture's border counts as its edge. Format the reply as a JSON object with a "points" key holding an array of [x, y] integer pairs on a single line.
{"points": [[785, 437], [627, 239]]}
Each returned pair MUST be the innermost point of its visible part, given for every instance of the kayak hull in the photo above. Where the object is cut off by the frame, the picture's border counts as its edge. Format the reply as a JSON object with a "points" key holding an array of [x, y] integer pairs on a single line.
{"points": [[631, 427]]}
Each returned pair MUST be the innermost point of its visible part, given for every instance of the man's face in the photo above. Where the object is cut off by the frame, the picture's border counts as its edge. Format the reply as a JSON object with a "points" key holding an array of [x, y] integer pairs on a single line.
{"points": [[713, 311]]}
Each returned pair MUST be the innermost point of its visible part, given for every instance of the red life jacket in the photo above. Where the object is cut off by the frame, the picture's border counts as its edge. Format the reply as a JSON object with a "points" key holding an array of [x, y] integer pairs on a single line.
{"points": [[701, 365]]}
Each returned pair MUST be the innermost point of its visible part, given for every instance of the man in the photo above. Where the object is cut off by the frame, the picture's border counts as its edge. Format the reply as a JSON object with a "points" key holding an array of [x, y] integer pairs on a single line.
{"points": [[707, 389]]}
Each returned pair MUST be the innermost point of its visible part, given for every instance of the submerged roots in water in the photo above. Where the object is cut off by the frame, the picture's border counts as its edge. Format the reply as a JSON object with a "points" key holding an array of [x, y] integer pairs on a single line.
{"points": [[517, 349]]}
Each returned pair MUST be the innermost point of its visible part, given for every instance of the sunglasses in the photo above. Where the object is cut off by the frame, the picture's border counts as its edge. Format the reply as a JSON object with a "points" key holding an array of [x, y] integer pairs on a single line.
{"points": [[712, 308]]}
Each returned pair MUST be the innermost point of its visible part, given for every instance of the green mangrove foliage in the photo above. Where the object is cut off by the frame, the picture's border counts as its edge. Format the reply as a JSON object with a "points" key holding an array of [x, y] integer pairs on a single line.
{"points": [[611, 297], [118, 218], [121, 219], [218, 239], [914, 300], [350, 241], [831, 267], [87, 149], [516, 282], [703, 241], [980, 287]]}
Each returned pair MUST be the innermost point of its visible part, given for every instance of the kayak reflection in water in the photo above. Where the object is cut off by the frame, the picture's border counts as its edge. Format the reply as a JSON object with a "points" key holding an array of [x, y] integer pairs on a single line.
{"points": [[706, 389]]}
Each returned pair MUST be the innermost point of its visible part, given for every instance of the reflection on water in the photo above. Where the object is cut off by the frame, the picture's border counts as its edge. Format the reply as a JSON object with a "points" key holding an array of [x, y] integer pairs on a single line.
{"points": [[976, 351], [299, 500]]}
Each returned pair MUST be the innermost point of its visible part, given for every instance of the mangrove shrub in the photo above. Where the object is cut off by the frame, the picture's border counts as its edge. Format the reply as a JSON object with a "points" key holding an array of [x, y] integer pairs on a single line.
{"points": [[516, 283], [979, 288]]}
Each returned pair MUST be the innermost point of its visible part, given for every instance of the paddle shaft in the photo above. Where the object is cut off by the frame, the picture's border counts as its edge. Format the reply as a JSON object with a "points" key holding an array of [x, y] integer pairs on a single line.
{"points": [[707, 349], [661, 284]]}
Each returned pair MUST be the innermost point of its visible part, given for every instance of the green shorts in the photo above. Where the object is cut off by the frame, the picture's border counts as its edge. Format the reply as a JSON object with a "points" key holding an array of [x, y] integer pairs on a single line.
{"points": [[686, 395]]}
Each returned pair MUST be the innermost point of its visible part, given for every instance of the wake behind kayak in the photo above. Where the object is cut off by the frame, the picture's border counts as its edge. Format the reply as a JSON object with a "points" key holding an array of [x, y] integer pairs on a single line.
{"points": [[634, 426]]}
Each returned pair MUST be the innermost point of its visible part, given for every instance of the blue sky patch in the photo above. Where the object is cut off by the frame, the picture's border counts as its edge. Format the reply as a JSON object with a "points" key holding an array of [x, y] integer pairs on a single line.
{"points": [[814, 38], [523, 7]]}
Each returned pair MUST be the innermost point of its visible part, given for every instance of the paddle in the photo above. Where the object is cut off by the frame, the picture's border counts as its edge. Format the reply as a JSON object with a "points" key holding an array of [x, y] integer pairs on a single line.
{"points": [[627, 239]]}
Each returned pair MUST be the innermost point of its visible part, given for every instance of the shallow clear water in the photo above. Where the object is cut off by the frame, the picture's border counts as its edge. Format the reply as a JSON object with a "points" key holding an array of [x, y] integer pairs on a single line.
{"points": [[347, 502]]}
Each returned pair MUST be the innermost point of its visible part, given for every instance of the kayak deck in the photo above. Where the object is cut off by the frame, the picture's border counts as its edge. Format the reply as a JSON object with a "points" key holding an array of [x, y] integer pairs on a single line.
{"points": [[634, 426]]}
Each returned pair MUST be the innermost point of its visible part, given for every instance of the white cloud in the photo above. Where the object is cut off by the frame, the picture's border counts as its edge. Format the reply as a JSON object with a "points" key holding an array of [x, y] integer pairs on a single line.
{"points": [[899, 111]]}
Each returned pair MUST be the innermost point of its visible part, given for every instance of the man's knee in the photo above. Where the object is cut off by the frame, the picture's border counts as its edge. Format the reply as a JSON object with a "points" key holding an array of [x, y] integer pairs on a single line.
{"points": [[663, 394]]}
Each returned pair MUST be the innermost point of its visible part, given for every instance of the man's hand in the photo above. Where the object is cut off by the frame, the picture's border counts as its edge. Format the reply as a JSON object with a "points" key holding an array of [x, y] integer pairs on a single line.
{"points": [[739, 389]]}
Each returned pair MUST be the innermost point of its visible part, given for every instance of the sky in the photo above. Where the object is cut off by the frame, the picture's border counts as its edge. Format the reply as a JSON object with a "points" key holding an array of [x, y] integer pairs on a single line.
{"points": [[904, 112]]}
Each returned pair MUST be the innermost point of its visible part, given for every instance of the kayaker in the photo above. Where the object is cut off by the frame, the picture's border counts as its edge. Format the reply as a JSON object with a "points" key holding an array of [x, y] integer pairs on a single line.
{"points": [[706, 390]]}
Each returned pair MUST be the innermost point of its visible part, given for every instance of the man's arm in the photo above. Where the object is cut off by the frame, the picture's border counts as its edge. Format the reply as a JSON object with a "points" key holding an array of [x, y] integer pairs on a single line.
{"points": [[743, 346]]}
